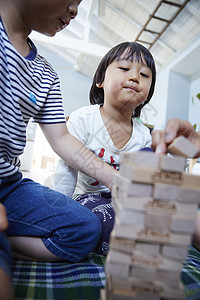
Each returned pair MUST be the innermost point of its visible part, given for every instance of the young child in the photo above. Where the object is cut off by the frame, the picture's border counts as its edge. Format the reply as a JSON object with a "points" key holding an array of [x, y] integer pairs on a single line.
{"points": [[123, 84], [43, 223]]}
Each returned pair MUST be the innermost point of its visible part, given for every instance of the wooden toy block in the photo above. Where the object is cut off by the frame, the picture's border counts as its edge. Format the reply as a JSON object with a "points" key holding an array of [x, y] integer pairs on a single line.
{"points": [[121, 245], [151, 176], [117, 269], [186, 209], [190, 180], [142, 234], [144, 260], [173, 293], [129, 216], [172, 163], [182, 224], [190, 195], [169, 265], [139, 158], [157, 221], [143, 274], [182, 146], [167, 192], [148, 248], [169, 278], [116, 256], [174, 252], [161, 207], [132, 189], [135, 203]]}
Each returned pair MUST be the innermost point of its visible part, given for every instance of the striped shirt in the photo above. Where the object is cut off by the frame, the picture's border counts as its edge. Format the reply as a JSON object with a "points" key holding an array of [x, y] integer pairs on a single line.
{"points": [[29, 87]]}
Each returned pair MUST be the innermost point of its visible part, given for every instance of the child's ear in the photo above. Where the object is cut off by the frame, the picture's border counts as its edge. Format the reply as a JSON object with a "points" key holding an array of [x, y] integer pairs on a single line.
{"points": [[99, 85]]}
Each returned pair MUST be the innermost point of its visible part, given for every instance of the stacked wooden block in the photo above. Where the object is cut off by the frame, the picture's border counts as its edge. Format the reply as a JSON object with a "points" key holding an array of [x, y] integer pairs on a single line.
{"points": [[156, 204]]}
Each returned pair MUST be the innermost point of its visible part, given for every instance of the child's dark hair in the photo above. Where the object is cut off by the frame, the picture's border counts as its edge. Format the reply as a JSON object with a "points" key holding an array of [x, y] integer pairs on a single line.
{"points": [[132, 51]]}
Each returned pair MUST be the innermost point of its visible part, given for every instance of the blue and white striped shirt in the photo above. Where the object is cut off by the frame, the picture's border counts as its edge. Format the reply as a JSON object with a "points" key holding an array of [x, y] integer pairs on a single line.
{"points": [[29, 87]]}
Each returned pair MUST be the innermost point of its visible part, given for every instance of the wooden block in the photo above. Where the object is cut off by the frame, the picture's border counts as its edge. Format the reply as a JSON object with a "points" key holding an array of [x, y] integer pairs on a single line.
{"points": [[172, 163], [144, 274], [148, 248], [190, 195], [142, 234], [136, 203], [117, 269], [182, 146], [182, 224], [174, 252], [129, 216], [132, 189], [190, 180], [157, 221], [170, 292], [144, 260], [116, 256], [121, 245], [161, 207], [167, 192], [150, 176], [186, 209], [168, 265], [103, 294], [140, 158], [169, 278]]}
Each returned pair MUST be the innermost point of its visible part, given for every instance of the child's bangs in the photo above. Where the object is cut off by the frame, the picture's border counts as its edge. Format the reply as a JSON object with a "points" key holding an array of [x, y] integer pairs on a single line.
{"points": [[137, 55]]}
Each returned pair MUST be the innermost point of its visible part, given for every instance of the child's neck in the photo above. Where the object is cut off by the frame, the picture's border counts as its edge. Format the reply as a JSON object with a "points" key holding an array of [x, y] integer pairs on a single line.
{"points": [[119, 126], [15, 29]]}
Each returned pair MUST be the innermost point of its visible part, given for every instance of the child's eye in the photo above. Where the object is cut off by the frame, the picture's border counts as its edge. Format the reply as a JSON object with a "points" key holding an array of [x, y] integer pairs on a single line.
{"points": [[144, 75], [124, 69]]}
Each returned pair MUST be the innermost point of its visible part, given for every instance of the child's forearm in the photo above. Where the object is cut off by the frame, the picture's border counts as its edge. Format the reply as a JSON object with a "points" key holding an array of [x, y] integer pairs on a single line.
{"points": [[74, 153]]}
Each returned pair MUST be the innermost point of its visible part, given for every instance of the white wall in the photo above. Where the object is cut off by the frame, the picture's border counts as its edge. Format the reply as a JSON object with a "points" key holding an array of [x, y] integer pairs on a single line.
{"points": [[74, 85], [194, 109], [176, 83]]}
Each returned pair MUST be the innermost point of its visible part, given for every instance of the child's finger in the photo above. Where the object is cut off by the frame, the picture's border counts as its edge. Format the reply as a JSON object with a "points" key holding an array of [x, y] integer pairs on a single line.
{"points": [[158, 141]]}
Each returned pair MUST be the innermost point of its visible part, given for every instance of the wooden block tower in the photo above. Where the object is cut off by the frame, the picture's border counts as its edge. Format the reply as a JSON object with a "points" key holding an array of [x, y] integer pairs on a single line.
{"points": [[155, 202]]}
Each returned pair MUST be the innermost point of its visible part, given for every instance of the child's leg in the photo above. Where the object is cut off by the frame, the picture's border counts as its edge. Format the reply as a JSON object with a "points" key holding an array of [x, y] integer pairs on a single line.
{"points": [[100, 204], [68, 230], [6, 291]]}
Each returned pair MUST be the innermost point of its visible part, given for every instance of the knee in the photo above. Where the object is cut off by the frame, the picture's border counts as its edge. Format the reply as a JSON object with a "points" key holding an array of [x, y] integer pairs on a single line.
{"points": [[94, 229]]}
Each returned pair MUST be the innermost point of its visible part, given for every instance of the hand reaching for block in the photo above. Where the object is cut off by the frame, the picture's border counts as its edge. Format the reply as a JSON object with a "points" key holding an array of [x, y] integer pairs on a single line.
{"points": [[162, 139]]}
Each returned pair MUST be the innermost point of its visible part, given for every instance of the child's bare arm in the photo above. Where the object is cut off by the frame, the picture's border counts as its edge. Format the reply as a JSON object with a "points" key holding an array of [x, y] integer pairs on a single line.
{"points": [[76, 154]]}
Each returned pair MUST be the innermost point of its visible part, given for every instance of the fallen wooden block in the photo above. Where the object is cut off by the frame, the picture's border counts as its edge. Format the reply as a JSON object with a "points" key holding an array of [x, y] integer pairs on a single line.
{"points": [[182, 146]]}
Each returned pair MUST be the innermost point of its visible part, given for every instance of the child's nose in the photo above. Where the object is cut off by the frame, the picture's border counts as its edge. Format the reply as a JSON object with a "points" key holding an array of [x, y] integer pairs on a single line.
{"points": [[133, 76], [73, 9]]}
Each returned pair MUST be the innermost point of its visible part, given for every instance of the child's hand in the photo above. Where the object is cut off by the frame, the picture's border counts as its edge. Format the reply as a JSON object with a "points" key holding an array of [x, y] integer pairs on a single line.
{"points": [[3, 218], [175, 127]]}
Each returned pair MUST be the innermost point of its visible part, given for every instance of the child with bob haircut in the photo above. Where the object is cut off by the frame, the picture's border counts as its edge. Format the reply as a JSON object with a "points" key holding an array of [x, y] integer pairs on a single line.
{"points": [[122, 85]]}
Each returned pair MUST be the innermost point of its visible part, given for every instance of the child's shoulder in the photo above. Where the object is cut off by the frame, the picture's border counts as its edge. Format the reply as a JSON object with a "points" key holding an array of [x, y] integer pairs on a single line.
{"points": [[86, 110]]}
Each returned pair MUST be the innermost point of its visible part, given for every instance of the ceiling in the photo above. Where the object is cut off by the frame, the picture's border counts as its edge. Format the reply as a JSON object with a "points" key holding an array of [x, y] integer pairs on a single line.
{"points": [[164, 27]]}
